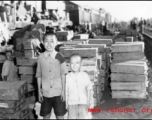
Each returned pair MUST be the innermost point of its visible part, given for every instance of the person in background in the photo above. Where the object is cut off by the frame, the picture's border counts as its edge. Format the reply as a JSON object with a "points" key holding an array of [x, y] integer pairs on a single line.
{"points": [[78, 90], [50, 74], [9, 70]]}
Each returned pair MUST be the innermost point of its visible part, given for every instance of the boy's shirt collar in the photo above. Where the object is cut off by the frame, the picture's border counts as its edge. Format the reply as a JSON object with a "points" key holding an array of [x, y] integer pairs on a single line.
{"points": [[50, 54]]}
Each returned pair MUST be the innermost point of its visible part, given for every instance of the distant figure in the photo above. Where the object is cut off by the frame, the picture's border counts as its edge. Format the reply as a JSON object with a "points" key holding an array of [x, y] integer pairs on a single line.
{"points": [[141, 25]]}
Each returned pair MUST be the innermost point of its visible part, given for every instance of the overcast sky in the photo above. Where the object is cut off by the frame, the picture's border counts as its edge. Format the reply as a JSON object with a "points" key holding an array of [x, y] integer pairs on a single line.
{"points": [[123, 10]]}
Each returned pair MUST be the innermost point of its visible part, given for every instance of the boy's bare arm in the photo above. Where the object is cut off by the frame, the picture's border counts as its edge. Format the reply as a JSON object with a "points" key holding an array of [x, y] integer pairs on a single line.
{"points": [[63, 86], [89, 96], [39, 83]]}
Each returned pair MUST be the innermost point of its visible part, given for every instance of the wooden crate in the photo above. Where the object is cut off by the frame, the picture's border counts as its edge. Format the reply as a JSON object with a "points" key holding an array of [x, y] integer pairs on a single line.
{"points": [[122, 77], [129, 39], [27, 70], [13, 110], [128, 56], [26, 62], [18, 115], [83, 52], [126, 67], [18, 54], [81, 36], [29, 78], [20, 40], [129, 94], [30, 54], [108, 42], [101, 47], [19, 47], [127, 47], [28, 44], [134, 86], [12, 90], [12, 104]]}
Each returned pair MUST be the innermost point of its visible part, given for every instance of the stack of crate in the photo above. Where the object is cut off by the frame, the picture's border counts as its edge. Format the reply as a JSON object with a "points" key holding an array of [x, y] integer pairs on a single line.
{"points": [[129, 71], [90, 65], [27, 69], [64, 35], [106, 57], [12, 100]]}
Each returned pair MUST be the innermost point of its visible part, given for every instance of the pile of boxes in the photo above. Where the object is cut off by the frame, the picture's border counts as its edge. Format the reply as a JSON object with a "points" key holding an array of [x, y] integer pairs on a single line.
{"points": [[13, 104], [129, 71]]}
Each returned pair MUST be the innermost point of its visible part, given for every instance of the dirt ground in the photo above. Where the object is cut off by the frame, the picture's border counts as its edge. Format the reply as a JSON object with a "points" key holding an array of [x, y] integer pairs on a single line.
{"points": [[143, 108]]}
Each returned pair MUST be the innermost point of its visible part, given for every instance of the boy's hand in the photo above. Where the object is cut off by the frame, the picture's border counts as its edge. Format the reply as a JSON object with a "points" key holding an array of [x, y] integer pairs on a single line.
{"points": [[40, 97], [63, 96]]}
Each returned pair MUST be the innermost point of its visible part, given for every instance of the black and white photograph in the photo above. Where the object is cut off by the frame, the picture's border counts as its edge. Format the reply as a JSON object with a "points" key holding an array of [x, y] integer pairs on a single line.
{"points": [[75, 59]]}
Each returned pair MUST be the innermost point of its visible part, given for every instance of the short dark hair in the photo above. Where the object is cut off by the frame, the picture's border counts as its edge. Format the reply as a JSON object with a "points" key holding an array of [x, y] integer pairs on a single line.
{"points": [[50, 34], [76, 55]]}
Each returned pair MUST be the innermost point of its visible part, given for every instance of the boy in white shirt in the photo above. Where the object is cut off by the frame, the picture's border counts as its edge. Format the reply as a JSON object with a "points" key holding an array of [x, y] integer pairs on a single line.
{"points": [[78, 90]]}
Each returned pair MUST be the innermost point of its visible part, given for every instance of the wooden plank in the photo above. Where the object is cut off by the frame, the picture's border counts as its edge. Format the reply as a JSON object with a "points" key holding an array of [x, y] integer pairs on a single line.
{"points": [[27, 70], [26, 62], [12, 104], [128, 56], [12, 90], [29, 78], [101, 47], [103, 37], [83, 52], [108, 42], [29, 54], [128, 68], [136, 86], [61, 49], [86, 61], [128, 77], [129, 94], [127, 48]]}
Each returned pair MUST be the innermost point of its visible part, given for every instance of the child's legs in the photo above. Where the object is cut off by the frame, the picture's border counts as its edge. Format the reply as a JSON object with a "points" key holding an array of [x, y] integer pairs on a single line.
{"points": [[72, 112], [59, 107], [82, 112], [46, 108]]}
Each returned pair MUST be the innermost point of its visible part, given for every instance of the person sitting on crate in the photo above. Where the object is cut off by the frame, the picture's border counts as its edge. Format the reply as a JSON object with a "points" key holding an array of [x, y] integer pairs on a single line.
{"points": [[9, 70]]}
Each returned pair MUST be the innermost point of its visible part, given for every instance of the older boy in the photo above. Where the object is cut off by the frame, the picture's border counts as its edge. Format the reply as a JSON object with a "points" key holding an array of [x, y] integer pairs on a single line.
{"points": [[51, 70], [78, 90]]}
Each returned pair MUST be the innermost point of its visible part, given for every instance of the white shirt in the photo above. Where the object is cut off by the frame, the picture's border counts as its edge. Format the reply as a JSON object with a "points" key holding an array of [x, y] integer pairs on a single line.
{"points": [[77, 86]]}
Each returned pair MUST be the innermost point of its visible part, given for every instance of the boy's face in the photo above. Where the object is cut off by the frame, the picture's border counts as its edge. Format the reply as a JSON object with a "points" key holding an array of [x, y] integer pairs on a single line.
{"points": [[50, 42], [75, 63], [9, 56]]}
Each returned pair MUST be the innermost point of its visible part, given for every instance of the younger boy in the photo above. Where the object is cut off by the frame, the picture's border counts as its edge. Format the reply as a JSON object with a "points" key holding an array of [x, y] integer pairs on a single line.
{"points": [[51, 70], [9, 70], [78, 89]]}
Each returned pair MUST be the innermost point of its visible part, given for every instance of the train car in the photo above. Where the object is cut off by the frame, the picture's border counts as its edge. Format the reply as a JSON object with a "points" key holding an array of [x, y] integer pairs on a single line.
{"points": [[80, 15]]}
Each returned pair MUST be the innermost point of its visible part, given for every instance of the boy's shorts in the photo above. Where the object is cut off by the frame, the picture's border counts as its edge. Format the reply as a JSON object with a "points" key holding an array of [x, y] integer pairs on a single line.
{"points": [[78, 112], [54, 102]]}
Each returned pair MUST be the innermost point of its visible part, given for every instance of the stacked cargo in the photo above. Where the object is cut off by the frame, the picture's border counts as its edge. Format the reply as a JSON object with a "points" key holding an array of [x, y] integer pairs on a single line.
{"points": [[129, 71], [106, 56], [64, 35], [90, 64], [12, 100], [27, 69], [81, 36]]}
